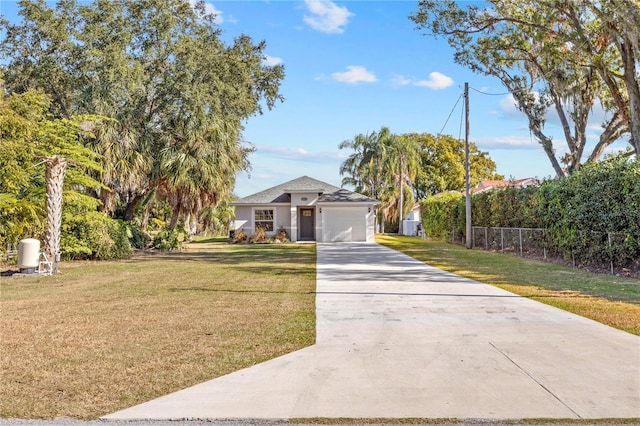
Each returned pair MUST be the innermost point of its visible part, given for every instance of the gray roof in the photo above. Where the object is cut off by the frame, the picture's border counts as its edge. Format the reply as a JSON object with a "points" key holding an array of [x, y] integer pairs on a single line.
{"points": [[282, 193]]}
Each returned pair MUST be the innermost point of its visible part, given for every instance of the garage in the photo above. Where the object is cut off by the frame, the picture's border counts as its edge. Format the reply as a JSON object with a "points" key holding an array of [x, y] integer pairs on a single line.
{"points": [[344, 224]]}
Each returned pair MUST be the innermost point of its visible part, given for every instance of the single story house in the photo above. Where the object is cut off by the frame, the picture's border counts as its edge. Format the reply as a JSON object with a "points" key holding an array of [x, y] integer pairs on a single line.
{"points": [[411, 221], [414, 214], [309, 210]]}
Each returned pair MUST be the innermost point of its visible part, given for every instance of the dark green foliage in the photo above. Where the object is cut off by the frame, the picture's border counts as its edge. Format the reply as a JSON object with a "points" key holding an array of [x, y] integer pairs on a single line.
{"points": [[439, 214], [92, 235], [169, 239], [594, 216], [591, 217], [509, 207], [139, 239], [177, 94]]}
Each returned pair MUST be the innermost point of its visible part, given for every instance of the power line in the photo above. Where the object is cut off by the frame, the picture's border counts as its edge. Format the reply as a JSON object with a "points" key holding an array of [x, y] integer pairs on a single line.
{"points": [[489, 94], [461, 121], [452, 109]]}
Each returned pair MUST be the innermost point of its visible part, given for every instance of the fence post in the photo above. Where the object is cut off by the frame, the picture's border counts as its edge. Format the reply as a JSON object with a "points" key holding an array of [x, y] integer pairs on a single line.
{"points": [[544, 244], [486, 239], [520, 237], [610, 251], [502, 240]]}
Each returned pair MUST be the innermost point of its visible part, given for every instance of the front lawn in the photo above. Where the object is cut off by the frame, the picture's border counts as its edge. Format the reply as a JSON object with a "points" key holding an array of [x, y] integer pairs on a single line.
{"points": [[611, 300], [103, 336]]}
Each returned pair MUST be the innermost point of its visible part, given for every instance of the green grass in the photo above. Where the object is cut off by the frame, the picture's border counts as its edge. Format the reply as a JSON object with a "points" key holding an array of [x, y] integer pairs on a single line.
{"points": [[609, 299], [103, 336]]}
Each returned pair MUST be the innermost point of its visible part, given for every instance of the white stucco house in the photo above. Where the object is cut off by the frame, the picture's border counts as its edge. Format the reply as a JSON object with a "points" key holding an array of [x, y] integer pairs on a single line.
{"points": [[411, 221], [309, 210]]}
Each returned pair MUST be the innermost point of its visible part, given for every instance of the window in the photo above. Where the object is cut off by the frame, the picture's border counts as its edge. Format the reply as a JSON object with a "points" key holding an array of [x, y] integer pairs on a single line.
{"points": [[263, 218]]}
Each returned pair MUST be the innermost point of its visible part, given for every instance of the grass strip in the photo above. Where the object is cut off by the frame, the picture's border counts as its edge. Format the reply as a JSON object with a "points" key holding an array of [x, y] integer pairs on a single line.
{"points": [[103, 336], [608, 299]]}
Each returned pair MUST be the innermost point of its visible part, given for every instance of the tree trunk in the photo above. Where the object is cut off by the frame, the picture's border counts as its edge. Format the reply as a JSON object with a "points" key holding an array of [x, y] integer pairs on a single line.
{"points": [[131, 207], [56, 168], [175, 215], [633, 92]]}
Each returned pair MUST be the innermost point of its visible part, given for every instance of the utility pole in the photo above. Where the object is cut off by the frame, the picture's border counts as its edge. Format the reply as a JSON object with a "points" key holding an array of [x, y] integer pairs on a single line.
{"points": [[467, 168], [401, 215]]}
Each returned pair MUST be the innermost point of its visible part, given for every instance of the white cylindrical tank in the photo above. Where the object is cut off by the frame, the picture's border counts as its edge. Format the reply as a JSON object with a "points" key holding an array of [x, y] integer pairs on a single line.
{"points": [[28, 255]]}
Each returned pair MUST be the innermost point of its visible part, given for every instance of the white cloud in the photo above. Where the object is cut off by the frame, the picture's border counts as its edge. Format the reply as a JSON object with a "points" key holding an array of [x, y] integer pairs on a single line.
{"points": [[209, 9], [506, 142], [355, 74], [518, 143], [296, 153], [508, 107], [271, 60], [326, 16], [398, 80], [436, 81]]}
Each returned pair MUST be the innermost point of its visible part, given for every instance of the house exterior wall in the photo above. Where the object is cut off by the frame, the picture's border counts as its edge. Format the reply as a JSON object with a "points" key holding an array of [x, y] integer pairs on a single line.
{"points": [[371, 224], [414, 214], [304, 199], [301, 199], [245, 218]]}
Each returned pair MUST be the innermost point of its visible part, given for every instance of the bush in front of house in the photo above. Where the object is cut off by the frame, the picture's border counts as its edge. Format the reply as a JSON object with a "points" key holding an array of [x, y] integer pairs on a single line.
{"points": [[281, 236], [240, 236], [260, 237]]}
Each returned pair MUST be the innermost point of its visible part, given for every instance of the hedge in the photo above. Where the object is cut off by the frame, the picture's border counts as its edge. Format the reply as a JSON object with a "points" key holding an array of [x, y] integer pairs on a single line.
{"points": [[438, 215], [92, 235], [591, 217]]}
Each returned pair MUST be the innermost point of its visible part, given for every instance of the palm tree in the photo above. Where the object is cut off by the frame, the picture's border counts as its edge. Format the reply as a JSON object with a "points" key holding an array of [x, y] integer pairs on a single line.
{"points": [[403, 157], [198, 167], [380, 166]]}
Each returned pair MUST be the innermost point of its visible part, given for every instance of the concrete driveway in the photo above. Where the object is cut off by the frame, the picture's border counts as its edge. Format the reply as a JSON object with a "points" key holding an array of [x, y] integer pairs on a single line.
{"points": [[397, 338]]}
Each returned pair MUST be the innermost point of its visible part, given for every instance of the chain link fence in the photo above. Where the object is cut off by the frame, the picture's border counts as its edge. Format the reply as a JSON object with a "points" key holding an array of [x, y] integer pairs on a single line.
{"points": [[602, 250]]}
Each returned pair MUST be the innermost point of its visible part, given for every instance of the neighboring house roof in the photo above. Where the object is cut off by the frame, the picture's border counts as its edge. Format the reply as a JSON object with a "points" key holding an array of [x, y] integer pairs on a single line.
{"points": [[282, 193], [486, 185]]}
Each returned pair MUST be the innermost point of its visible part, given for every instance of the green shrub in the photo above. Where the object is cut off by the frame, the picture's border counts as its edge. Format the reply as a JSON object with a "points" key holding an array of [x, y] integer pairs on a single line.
{"points": [[92, 235], [439, 215], [591, 217], [169, 239], [139, 239]]}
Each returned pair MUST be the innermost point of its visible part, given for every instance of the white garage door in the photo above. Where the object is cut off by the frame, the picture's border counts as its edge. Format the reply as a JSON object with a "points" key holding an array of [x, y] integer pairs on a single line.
{"points": [[344, 224]]}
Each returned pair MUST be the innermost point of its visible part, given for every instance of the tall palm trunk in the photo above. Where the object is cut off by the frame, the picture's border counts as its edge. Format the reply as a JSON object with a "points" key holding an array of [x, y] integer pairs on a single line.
{"points": [[56, 168], [175, 215]]}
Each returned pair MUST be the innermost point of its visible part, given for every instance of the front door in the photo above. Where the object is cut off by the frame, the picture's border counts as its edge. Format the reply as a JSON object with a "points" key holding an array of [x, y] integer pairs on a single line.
{"points": [[307, 225]]}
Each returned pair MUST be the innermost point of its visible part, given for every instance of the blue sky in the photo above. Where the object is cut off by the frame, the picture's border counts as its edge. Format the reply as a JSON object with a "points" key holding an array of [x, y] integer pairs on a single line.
{"points": [[353, 67]]}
